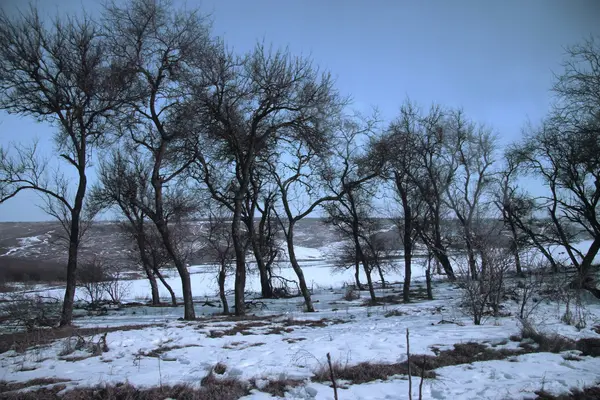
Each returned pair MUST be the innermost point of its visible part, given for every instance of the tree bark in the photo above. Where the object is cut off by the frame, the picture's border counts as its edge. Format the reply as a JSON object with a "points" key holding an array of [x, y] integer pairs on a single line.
{"points": [[189, 313], [380, 271], [167, 286], [66, 316], [221, 279], [298, 270], [586, 263], [514, 246], [357, 274], [153, 284], [240, 258], [472, 260], [266, 289], [444, 261], [369, 281]]}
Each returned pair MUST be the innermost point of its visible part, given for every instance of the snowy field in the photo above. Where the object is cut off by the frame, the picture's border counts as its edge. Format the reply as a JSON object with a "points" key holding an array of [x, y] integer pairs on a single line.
{"points": [[286, 343]]}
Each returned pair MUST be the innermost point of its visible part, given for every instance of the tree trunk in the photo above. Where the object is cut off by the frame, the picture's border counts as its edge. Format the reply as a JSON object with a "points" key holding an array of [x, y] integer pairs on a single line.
{"points": [[69, 299], [380, 271], [147, 265], [167, 286], [407, 236], [586, 263], [189, 313], [222, 276], [153, 284], [407, 264], [445, 263], [298, 270], [369, 282], [357, 274], [266, 289], [66, 316], [514, 246], [428, 283], [240, 259], [472, 260]]}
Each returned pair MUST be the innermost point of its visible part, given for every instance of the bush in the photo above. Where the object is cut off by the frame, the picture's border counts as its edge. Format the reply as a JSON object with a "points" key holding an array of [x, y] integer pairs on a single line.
{"points": [[30, 312], [547, 342], [486, 293], [351, 294]]}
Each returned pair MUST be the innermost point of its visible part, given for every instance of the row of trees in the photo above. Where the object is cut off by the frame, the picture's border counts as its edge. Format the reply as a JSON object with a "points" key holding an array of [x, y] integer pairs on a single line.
{"points": [[179, 127]]}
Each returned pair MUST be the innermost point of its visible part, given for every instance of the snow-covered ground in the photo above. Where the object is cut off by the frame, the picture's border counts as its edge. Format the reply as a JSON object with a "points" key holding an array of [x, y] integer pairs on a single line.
{"points": [[285, 346]]}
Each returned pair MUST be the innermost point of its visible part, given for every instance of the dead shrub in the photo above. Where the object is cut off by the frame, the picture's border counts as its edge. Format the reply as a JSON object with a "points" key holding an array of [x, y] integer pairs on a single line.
{"points": [[23, 311], [351, 294], [220, 368], [589, 346], [546, 342], [394, 313], [278, 387], [589, 393]]}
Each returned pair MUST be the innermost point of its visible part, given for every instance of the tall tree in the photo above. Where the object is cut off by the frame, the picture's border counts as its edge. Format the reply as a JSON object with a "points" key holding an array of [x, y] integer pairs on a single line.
{"points": [[399, 145], [253, 103], [309, 178], [470, 150], [163, 48], [563, 152], [62, 74]]}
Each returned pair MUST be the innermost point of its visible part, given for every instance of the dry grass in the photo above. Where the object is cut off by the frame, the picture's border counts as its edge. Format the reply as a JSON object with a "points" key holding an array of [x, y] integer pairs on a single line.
{"points": [[590, 393], [546, 342], [279, 387], [21, 341], [272, 328], [365, 372], [163, 349], [11, 386], [462, 353], [211, 388], [589, 346]]}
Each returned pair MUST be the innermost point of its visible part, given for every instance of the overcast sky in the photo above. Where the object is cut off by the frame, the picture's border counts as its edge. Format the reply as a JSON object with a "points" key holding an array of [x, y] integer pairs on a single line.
{"points": [[493, 58]]}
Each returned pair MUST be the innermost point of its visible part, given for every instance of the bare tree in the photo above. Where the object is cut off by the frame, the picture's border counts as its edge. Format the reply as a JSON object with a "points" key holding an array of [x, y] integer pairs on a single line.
{"points": [[351, 216], [399, 145], [163, 48], [311, 179], [253, 103], [61, 74], [470, 152], [123, 185], [431, 175], [220, 243]]}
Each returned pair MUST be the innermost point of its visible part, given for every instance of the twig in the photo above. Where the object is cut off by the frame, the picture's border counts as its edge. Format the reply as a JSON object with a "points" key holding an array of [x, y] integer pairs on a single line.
{"points": [[408, 363], [422, 379], [335, 395]]}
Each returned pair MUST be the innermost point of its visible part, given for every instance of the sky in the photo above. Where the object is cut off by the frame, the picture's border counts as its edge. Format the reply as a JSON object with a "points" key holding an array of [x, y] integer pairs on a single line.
{"points": [[495, 59]]}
